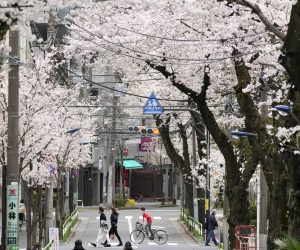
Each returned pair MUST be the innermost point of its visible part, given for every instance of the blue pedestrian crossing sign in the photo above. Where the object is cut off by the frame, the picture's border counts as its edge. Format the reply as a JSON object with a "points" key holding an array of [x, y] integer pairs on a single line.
{"points": [[152, 106]]}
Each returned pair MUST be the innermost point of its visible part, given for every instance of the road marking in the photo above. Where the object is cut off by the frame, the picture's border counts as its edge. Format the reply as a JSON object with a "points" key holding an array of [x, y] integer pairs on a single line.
{"points": [[158, 227], [169, 244], [155, 217], [154, 210], [129, 225], [176, 218]]}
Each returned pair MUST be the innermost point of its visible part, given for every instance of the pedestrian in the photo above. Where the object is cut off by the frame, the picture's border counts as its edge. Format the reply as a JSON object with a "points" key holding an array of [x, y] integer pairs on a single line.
{"points": [[22, 211], [210, 226], [149, 221], [128, 246], [114, 226], [103, 230], [78, 245]]}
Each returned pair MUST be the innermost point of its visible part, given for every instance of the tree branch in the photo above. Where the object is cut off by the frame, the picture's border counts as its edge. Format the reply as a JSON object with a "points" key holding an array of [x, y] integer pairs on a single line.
{"points": [[256, 9]]}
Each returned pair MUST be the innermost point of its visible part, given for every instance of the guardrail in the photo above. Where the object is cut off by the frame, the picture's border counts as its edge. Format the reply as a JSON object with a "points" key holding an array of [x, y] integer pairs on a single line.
{"points": [[194, 226], [48, 246], [69, 224]]}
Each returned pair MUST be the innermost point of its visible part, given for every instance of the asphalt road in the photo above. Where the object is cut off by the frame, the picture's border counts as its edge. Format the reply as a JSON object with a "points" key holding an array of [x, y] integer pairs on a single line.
{"points": [[164, 218]]}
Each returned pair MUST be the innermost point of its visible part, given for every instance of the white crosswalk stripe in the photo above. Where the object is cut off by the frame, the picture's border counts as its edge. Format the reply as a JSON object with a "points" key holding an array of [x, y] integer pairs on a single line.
{"points": [[168, 243]]}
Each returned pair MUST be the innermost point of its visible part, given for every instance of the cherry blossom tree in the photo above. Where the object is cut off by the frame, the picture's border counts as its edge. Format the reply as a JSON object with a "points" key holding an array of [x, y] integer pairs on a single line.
{"points": [[225, 31]]}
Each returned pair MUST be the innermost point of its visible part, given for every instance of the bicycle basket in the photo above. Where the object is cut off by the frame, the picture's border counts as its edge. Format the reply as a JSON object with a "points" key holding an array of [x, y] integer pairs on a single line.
{"points": [[138, 226]]}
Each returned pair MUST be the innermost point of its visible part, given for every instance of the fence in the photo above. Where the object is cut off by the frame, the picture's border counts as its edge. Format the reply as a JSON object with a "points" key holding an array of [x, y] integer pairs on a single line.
{"points": [[194, 226], [69, 224], [48, 246]]}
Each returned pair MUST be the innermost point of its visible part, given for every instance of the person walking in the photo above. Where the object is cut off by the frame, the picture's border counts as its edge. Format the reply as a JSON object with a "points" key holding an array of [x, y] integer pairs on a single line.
{"points": [[114, 227], [78, 245], [103, 230], [22, 211], [149, 221], [128, 246], [210, 226]]}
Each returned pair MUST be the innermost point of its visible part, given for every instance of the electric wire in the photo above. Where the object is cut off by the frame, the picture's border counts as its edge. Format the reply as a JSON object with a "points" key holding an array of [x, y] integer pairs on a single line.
{"points": [[157, 56], [191, 40], [166, 62], [120, 91]]}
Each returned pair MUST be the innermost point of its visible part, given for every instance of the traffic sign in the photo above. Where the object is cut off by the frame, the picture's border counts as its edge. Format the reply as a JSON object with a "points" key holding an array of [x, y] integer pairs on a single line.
{"points": [[152, 106]]}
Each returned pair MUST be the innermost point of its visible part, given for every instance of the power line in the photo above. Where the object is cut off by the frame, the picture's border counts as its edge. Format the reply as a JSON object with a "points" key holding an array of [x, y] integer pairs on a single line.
{"points": [[158, 56], [165, 62], [125, 107], [191, 40], [120, 91]]}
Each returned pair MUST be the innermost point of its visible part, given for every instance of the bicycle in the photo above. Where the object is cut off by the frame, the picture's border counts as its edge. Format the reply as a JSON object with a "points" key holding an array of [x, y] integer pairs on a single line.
{"points": [[138, 235]]}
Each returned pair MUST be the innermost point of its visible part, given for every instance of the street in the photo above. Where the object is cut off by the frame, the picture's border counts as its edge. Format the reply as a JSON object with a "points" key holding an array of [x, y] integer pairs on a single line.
{"points": [[164, 218]]}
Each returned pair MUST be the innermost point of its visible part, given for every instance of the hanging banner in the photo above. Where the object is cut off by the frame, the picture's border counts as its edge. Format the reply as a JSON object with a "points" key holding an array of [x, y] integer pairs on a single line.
{"points": [[12, 217]]}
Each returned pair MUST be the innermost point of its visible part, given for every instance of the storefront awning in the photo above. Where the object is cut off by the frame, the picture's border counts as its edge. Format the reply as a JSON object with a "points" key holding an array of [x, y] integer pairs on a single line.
{"points": [[131, 164]]}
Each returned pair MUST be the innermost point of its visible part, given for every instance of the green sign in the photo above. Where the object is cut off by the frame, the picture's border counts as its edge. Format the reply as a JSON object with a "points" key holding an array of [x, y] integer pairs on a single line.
{"points": [[12, 217]]}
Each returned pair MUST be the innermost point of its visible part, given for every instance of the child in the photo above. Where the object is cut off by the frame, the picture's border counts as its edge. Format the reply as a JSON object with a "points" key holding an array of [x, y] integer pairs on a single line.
{"points": [[149, 221]]}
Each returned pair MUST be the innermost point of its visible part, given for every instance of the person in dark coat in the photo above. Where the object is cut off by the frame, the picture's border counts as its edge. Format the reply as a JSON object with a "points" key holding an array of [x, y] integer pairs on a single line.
{"points": [[210, 227], [114, 226], [78, 245]]}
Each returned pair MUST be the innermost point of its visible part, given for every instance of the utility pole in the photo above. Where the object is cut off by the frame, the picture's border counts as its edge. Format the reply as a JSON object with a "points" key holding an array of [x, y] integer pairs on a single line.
{"points": [[49, 208], [111, 161], [13, 143], [229, 111], [262, 210], [195, 196], [207, 191]]}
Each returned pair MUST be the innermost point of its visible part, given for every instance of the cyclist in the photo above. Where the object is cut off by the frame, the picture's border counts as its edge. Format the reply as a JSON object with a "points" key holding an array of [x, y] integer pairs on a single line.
{"points": [[149, 222]]}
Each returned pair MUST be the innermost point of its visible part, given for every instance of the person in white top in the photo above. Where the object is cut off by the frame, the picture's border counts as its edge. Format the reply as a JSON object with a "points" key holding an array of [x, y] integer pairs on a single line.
{"points": [[103, 231]]}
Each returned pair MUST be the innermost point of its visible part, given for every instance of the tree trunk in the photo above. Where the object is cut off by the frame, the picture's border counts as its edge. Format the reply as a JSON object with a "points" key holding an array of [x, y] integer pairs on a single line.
{"points": [[49, 209], [40, 217], [35, 218], [181, 162], [291, 62], [189, 197], [71, 191], [278, 203]]}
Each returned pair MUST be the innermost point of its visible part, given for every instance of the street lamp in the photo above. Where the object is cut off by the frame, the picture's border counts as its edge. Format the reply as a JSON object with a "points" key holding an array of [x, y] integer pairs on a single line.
{"points": [[286, 110], [72, 130], [245, 134], [242, 134]]}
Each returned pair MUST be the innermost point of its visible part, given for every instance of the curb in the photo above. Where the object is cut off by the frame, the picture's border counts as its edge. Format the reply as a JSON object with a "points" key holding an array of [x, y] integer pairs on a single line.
{"points": [[73, 231], [189, 233]]}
